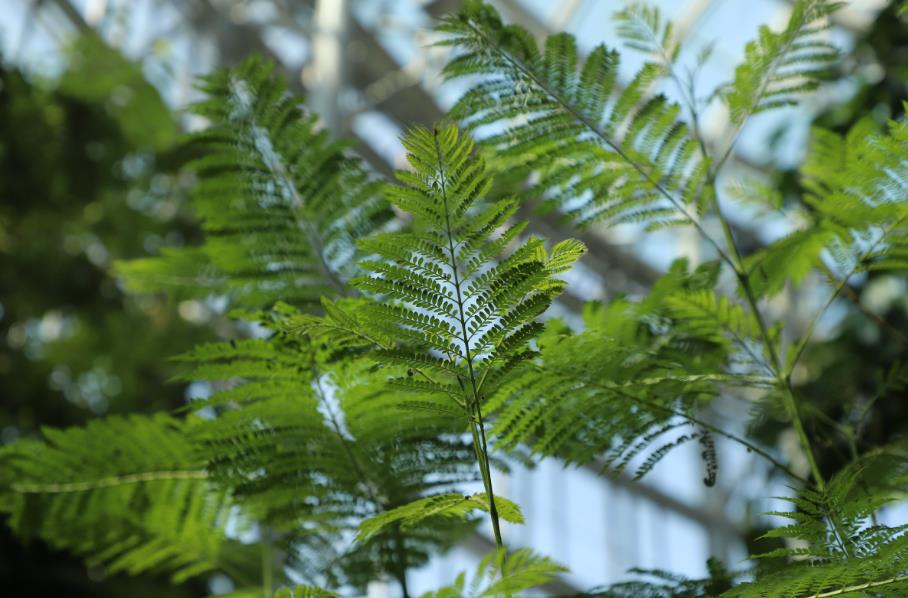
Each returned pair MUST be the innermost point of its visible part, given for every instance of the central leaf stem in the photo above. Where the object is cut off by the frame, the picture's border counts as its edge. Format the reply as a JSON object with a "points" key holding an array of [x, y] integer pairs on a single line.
{"points": [[477, 427]]}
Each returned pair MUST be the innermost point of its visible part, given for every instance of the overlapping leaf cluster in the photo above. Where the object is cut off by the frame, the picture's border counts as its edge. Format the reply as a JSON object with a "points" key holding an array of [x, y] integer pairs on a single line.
{"points": [[311, 445], [388, 367]]}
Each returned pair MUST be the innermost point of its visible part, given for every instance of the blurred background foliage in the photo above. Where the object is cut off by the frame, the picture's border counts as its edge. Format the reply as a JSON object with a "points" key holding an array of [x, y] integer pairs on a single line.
{"points": [[90, 172], [839, 379]]}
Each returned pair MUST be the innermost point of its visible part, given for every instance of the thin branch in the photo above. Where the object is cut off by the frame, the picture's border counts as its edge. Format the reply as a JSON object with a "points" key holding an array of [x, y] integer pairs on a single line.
{"points": [[839, 288], [863, 586], [784, 379]]}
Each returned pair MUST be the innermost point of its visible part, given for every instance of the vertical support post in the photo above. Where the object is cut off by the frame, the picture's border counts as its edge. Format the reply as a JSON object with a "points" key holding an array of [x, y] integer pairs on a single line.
{"points": [[328, 66]]}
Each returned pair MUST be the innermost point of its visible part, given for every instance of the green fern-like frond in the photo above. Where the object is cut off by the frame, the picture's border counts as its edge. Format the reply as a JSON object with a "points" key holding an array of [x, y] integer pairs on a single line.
{"points": [[502, 574], [281, 205], [311, 445], [442, 505], [626, 388], [787, 260], [706, 315], [857, 186], [127, 492], [779, 66], [840, 548], [601, 153], [642, 27], [462, 307], [855, 210]]}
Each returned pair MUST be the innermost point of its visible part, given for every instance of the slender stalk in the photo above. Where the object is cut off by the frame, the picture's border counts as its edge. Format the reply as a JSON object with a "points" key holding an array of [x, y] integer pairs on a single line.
{"points": [[401, 571], [808, 332], [839, 289], [853, 298], [576, 114], [486, 481], [267, 564], [783, 378], [479, 441], [863, 586]]}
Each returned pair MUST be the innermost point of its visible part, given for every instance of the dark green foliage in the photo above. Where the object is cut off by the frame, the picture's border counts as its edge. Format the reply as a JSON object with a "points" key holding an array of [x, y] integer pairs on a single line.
{"points": [[310, 447], [128, 492], [76, 193], [86, 177], [97, 74], [662, 584]]}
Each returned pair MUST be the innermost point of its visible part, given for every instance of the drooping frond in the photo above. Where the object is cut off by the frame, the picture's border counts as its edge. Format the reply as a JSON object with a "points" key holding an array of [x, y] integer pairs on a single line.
{"points": [[126, 492], [282, 206], [626, 388], [601, 152], [779, 66], [501, 574], [442, 505], [837, 547], [311, 446]]}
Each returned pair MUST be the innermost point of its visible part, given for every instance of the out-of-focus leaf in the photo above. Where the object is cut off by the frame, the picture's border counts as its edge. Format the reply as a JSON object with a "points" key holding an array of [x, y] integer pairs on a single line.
{"points": [[98, 73]]}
